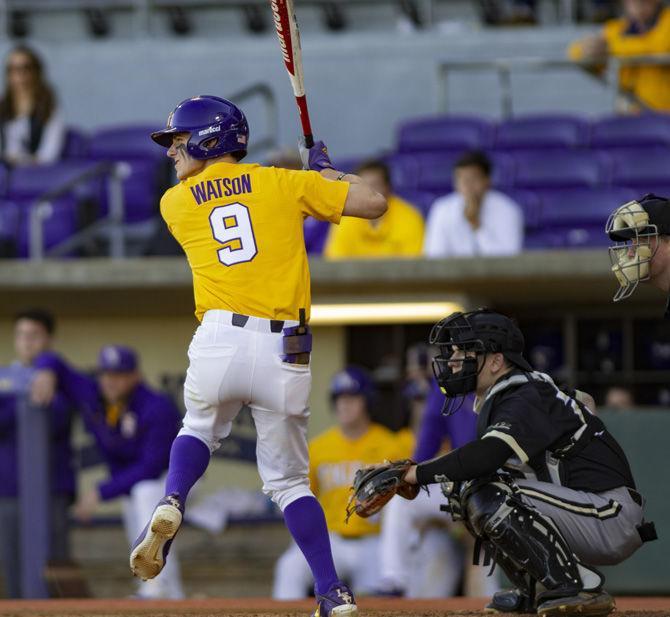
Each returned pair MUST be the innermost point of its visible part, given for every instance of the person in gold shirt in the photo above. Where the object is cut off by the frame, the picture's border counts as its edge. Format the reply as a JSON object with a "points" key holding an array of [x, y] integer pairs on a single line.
{"points": [[334, 458], [241, 227], [644, 29], [399, 233]]}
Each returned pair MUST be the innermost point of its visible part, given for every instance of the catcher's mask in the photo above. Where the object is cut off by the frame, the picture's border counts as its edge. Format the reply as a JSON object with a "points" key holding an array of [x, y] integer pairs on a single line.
{"points": [[462, 339], [633, 227]]}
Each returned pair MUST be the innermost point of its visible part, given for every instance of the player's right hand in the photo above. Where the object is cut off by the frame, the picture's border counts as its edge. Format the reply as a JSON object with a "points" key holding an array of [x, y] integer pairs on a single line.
{"points": [[43, 388], [315, 158]]}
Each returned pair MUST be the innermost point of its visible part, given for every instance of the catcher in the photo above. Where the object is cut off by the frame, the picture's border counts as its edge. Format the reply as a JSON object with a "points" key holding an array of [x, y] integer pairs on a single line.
{"points": [[545, 489]]}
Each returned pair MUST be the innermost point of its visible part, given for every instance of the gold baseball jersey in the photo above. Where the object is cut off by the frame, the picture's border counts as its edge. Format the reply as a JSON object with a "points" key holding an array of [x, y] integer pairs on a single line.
{"points": [[399, 233], [333, 461], [241, 227]]}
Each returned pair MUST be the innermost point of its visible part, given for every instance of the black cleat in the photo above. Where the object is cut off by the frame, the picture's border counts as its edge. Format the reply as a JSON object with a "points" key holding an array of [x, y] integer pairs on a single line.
{"points": [[583, 604]]}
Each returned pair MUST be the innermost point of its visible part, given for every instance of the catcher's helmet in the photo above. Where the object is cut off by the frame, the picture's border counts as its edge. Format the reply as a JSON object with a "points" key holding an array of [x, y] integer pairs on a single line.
{"points": [[353, 380], [476, 333], [207, 118]]}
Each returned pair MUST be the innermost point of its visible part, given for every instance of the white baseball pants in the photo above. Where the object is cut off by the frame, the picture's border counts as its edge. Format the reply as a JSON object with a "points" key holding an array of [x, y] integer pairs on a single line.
{"points": [[236, 365]]}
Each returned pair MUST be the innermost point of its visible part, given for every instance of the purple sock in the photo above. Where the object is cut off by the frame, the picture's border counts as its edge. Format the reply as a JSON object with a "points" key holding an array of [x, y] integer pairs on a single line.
{"points": [[189, 458], [305, 520]]}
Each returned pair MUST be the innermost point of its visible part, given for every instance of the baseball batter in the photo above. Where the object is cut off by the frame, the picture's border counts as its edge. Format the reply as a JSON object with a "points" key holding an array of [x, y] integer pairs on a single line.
{"points": [[241, 227], [567, 500], [641, 231]]}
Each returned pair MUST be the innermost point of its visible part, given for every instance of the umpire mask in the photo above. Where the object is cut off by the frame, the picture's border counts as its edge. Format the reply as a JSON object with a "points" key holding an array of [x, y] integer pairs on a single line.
{"points": [[632, 228]]}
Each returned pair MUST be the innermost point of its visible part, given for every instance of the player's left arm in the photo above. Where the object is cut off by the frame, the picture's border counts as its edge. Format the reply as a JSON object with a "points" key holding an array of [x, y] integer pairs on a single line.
{"points": [[361, 201], [473, 460]]}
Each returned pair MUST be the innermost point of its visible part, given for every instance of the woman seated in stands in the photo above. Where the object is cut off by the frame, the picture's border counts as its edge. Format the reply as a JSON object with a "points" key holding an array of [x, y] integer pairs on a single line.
{"points": [[31, 127]]}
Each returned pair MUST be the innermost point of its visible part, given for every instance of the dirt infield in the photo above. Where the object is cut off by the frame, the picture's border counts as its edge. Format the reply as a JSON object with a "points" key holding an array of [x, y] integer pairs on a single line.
{"points": [[262, 607]]}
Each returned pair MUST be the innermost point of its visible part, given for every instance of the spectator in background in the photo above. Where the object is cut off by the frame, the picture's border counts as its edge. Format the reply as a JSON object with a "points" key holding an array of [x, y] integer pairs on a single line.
{"points": [[334, 457], [31, 127], [474, 220], [644, 29], [134, 427], [398, 233], [33, 337], [619, 397]]}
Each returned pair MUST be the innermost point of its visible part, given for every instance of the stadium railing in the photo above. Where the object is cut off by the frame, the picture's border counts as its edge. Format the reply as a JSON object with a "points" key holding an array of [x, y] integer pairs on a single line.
{"points": [[505, 67], [110, 226]]}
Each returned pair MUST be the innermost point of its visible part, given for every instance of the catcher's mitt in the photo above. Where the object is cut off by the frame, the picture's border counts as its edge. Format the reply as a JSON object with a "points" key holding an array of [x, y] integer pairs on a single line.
{"points": [[375, 486]]}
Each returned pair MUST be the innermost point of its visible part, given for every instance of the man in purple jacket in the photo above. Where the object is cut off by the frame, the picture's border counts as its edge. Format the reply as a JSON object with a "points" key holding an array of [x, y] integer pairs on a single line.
{"points": [[133, 426], [33, 335]]}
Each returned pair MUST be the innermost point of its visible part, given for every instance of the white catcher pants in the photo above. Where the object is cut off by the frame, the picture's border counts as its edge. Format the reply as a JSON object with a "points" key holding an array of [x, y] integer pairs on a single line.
{"points": [[356, 561], [231, 366], [137, 510]]}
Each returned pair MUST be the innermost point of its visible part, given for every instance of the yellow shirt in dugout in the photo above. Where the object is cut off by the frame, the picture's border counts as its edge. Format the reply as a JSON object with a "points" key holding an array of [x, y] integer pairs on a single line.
{"points": [[651, 84], [399, 233], [333, 461], [240, 226]]}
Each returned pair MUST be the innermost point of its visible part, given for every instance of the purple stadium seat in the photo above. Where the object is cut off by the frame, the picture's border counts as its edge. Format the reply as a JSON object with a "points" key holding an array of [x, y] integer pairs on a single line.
{"points": [[9, 228], [32, 182], [641, 168], [530, 205], [123, 142], [404, 170], [456, 133], [543, 239], [542, 131], [576, 217], [76, 144], [147, 162], [581, 206], [433, 171], [561, 169], [645, 130], [350, 164], [141, 190], [315, 233], [421, 200], [62, 224]]}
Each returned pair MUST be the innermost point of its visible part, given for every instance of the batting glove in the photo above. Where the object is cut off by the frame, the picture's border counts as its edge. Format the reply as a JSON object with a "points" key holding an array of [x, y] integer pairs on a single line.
{"points": [[315, 158]]}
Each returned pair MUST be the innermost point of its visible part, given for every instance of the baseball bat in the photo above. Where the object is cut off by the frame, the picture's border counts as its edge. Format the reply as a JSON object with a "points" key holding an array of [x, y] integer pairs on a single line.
{"points": [[288, 34]]}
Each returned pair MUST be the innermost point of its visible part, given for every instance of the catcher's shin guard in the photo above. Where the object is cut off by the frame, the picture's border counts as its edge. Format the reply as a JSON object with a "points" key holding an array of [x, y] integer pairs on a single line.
{"points": [[529, 540]]}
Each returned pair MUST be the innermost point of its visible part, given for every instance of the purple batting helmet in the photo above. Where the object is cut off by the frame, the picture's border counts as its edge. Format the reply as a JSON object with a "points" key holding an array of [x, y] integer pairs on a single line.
{"points": [[205, 118]]}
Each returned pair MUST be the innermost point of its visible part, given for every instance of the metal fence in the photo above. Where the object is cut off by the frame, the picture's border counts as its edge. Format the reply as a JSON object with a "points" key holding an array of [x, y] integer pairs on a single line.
{"points": [[505, 68]]}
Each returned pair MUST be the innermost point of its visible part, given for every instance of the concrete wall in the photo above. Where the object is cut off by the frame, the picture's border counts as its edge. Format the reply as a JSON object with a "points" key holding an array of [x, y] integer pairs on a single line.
{"points": [[360, 85]]}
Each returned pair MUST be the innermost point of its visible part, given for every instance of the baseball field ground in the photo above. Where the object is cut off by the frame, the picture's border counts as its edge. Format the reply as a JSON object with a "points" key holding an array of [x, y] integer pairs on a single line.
{"points": [[261, 607]]}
